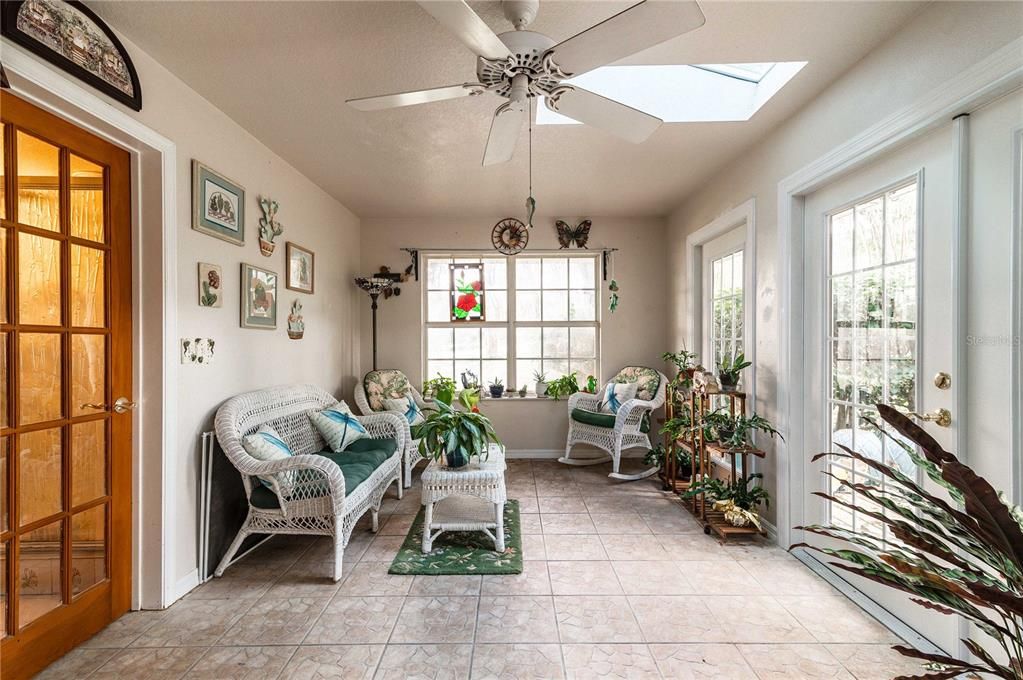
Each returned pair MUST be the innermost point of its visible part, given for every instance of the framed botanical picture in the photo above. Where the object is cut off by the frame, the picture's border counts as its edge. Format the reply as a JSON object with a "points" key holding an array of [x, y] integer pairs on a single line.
{"points": [[211, 280], [300, 272], [468, 301], [259, 297], [218, 205], [71, 37]]}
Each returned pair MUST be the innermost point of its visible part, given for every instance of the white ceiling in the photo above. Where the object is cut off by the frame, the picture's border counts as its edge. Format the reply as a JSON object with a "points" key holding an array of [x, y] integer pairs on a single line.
{"points": [[282, 70]]}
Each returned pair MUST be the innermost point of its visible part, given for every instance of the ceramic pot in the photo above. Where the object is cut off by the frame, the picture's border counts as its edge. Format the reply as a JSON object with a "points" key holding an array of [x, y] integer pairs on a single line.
{"points": [[455, 459], [541, 389], [266, 247], [496, 391]]}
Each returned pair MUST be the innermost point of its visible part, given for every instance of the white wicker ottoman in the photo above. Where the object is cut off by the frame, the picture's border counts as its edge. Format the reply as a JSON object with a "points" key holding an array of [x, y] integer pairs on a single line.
{"points": [[465, 499]]}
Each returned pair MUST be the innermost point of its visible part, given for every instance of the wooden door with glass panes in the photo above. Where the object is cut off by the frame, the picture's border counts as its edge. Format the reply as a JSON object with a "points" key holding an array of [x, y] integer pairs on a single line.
{"points": [[65, 359]]}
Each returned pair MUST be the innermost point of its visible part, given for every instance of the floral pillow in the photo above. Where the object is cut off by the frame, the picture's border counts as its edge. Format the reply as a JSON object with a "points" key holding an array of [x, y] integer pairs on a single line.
{"points": [[646, 379], [387, 383], [338, 427], [408, 408]]}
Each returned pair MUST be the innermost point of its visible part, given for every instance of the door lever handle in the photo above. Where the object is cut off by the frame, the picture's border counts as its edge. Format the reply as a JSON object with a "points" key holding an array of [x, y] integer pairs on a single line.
{"points": [[94, 407], [941, 417]]}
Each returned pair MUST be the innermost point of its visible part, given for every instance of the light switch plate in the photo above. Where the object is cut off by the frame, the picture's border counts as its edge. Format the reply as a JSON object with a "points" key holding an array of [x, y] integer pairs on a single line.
{"points": [[197, 351]]}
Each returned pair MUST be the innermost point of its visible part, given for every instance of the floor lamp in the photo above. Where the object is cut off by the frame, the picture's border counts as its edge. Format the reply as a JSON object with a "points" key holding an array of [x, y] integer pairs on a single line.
{"points": [[374, 285]]}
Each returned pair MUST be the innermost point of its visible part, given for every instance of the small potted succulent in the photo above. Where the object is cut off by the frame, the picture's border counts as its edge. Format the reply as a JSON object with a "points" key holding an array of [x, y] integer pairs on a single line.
{"points": [[496, 388], [541, 383], [454, 435], [441, 389], [730, 370], [523, 391]]}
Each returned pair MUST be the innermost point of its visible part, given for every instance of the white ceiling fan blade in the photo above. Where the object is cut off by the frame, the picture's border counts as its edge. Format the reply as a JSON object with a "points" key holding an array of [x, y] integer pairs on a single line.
{"points": [[649, 23], [435, 94], [458, 17], [504, 132], [605, 114]]}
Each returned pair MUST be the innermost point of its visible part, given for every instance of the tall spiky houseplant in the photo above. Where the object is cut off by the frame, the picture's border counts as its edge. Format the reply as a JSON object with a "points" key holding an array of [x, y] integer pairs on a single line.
{"points": [[962, 556]]}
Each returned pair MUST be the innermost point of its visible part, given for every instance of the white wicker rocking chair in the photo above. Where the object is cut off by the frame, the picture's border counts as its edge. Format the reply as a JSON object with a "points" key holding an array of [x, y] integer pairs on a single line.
{"points": [[393, 384], [629, 425], [309, 488]]}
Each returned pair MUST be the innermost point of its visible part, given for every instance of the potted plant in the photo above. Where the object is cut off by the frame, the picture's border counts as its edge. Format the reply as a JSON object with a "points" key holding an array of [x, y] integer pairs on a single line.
{"points": [[523, 390], [454, 435], [683, 463], [730, 369], [441, 389], [734, 432], [496, 388], [541, 383], [737, 500], [685, 367], [563, 386]]}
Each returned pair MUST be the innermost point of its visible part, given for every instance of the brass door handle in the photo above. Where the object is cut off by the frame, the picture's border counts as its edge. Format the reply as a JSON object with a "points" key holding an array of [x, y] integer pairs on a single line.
{"points": [[941, 417], [94, 407], [123, 405]]}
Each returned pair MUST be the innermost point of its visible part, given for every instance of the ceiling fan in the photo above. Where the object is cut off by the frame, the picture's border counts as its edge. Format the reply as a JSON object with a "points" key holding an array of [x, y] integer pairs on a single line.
{"points": [[520, 64]]}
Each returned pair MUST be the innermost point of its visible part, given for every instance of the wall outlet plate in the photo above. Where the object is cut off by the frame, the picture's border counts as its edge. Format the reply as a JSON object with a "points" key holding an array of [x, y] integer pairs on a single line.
{"points": [[197, 351]]}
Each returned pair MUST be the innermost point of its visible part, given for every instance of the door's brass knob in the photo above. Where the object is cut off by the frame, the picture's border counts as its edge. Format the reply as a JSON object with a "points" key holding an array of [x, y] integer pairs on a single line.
{"points": [[123, 405], [943, 381], [940, 417]]}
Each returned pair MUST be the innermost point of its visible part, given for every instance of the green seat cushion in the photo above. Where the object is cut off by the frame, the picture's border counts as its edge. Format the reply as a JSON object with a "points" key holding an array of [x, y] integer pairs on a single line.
{"points": [[388, 445], [356, 466], [607, 420]]}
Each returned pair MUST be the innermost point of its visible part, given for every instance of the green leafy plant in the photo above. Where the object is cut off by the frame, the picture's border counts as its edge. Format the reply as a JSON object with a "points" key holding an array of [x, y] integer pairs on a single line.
{"points": [[459, 435], [683, 463], [962, 556], [563, 386], [496, 382], [740, 492], [730, 368], [685, 365], [734, 431], [440, 388]]}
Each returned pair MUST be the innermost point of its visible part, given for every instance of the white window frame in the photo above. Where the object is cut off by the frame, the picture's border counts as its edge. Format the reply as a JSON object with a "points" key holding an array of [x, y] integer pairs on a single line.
{"points": [[725, 246], [514, 381], [742, 217]]}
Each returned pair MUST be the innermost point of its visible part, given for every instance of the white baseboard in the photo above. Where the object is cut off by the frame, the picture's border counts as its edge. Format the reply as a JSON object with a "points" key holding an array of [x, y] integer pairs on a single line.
{"points": [[772, 532], [543, 454], [184, 585]]}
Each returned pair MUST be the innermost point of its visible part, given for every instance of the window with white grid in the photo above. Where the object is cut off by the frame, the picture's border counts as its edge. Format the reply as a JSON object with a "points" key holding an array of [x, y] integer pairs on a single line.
{"points": [[726, 327], [542, 315]]}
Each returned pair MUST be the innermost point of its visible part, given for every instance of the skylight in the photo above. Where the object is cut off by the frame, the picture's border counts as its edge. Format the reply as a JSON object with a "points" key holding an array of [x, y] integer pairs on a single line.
{"points": [[686, 94]]}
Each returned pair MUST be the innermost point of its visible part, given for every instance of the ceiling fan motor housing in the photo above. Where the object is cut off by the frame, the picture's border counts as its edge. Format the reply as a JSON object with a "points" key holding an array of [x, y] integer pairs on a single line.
{"points": [[529, 51]]}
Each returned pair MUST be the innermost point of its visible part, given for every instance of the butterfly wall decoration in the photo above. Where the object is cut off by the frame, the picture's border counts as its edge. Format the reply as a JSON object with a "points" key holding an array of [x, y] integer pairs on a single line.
{"points": [[567, 235]]}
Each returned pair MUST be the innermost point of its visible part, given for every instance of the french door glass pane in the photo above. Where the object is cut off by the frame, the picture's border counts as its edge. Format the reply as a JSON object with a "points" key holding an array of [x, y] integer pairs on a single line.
{"points": [[88, 548], [88, 371], [3, 197], [872, 347], [3, 486], [38, 280], [3, 271], [4, 551], [38, 186], [86, 199], [39, 377], [39, 474], [88, 461], [87, 286], [4, 422], [40, 572]]}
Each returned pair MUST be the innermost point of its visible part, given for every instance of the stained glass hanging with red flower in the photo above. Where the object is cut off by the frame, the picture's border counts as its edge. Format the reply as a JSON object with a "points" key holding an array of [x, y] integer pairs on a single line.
{"points": [[468, 299]]}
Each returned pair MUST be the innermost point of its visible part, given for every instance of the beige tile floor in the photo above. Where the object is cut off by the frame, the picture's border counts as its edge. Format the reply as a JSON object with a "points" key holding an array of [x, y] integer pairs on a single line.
{"points": [[619, 582]]}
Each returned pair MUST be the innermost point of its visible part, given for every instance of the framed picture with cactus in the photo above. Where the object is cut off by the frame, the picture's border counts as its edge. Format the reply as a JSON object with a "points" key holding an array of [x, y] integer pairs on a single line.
{"points": [[259, 297], [211, 279], [218, 205], [300, 273]]}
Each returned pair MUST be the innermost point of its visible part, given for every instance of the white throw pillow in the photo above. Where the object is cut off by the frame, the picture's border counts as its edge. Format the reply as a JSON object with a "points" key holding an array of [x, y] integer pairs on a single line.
{"points": [[338, 426], [408, 407], [616, 394], [266, 444]]}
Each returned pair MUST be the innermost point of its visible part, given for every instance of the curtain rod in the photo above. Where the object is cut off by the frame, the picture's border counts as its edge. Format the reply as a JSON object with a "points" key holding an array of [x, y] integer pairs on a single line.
{"points": [[605, 252]]}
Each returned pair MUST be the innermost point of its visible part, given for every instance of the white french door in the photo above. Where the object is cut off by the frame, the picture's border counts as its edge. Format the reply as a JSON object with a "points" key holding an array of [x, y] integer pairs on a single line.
{"points": [[878, 329]]}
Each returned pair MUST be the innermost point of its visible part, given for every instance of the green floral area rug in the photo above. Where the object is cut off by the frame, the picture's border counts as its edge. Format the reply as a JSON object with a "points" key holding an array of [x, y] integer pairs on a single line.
{"points": [[462, 552]]}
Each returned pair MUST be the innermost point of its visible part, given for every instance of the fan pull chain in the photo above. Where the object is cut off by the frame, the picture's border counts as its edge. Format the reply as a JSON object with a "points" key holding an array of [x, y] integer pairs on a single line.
{"points": [[530, 201]]}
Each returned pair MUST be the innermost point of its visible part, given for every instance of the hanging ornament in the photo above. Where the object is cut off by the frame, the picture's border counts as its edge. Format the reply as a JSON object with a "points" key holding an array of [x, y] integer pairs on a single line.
{"points": [[612, 303], [510, 236]]}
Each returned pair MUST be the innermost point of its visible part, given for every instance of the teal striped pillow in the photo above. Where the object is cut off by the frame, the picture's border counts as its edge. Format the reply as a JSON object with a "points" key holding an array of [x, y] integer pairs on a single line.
{"points": [[266, 444]]}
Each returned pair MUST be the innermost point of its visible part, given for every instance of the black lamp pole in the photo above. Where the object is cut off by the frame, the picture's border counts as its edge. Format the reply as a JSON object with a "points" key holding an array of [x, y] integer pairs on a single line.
{"points": [[374, 285]]}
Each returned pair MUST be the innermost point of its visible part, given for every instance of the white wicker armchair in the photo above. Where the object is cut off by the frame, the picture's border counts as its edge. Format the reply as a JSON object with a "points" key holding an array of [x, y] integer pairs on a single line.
{"points": [[392, 384], [310, 492], [630, 424]]}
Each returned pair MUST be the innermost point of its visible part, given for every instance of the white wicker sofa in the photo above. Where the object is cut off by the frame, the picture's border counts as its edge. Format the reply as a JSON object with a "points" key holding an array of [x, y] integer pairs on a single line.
{"points": [[390, 383], [307, 493], [628, 428]]}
